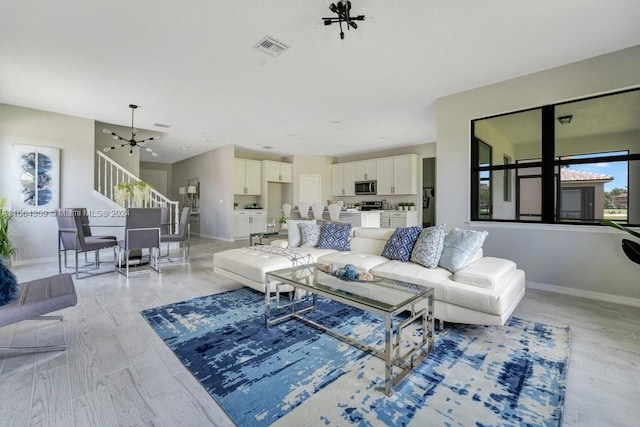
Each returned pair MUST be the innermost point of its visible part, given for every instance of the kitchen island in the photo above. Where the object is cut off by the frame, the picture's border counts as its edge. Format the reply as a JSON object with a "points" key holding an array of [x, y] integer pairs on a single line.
{"points": [[355, 217]]}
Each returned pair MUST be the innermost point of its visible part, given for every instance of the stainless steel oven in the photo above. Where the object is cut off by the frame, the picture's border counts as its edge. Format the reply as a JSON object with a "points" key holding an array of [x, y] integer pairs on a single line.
{"points": [[365, 187]]}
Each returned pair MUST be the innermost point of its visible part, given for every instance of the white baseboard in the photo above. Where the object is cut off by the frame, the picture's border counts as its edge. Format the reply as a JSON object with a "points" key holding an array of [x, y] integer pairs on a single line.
{"points": [[599, 296], [34, 260]]}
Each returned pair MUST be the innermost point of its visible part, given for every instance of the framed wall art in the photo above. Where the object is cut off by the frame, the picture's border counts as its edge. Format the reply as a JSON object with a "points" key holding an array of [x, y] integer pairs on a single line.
{"points": [[36, 177]]}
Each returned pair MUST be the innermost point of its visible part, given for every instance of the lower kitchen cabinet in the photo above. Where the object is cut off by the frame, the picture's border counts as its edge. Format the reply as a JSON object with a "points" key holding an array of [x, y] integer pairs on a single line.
{"points": [[394, 219], [248, 221]]}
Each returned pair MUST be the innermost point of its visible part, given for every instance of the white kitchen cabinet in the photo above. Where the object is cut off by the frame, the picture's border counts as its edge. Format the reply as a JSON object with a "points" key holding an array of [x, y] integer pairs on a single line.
{"points": [[277, 171], [366, 170], [343, 179], [397, 175], [248, 221], [395, 219], [247, 177]]}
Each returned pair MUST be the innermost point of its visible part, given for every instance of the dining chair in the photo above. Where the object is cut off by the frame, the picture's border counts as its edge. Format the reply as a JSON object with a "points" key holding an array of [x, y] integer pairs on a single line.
{"points": [[72, 236], [318, 210], [142, 231], [182, 238], [303, 208], [286, 210], [334, 212]]}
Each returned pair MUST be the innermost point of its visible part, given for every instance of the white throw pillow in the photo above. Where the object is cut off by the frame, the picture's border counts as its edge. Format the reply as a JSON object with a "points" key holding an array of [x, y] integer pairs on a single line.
{"points": [[459, 248], [293, 231]]}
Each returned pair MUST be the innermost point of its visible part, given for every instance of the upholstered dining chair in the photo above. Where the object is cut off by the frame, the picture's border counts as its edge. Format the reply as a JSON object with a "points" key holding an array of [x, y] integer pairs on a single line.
{"points": [[72, 228], [142, 231], [318, 210], [334, 212], [286, 210], [182, 237], [303, 208]]}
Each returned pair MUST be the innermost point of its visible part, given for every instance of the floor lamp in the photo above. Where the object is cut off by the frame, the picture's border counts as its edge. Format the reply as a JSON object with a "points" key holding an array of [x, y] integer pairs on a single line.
{"points": [[191, 190]]}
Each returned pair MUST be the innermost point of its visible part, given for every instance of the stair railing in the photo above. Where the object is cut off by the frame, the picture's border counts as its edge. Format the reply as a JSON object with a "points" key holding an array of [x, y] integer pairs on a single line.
{"points": [[110, 174]]}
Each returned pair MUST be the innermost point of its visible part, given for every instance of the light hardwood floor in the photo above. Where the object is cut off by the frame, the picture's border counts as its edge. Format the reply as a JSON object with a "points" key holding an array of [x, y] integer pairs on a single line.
{"points": [[116, 371]]}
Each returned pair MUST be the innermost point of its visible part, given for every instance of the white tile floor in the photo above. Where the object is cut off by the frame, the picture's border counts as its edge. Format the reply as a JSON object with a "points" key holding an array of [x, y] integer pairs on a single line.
{"points": [[116, 371]]}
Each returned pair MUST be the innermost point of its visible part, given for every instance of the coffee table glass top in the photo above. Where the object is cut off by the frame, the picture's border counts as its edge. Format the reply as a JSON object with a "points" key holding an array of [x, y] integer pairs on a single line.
{"points": [[382, 294]]}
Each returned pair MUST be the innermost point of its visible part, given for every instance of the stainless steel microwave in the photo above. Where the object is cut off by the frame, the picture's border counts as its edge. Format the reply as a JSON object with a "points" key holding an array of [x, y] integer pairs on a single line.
{"points": [[365, 187]]}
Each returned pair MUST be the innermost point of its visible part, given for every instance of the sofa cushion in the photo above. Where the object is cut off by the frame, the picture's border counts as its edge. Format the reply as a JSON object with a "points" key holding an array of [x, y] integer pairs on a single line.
{"points": [[493, 301], [428, 247], [400, 244], [253, 263], [459, 248], [370, 240], [310, 235], [293, 231], [335, 236], [485, 272]]}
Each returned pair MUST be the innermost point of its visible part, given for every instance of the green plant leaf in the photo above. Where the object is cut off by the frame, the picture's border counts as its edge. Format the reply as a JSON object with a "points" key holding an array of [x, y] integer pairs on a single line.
{"points": [[619, 227]]}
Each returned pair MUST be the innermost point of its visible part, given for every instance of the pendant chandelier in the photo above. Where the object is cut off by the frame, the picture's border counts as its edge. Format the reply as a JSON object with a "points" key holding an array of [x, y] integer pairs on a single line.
{"points": [[131, 143]]}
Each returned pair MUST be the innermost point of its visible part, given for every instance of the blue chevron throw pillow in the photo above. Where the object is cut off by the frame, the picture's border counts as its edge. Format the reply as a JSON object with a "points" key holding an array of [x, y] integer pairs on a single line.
{"points": [[335, 235], [400, 244]]}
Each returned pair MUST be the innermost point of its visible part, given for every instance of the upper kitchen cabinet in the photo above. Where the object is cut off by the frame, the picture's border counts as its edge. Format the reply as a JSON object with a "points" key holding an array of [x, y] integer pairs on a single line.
{"points": [[398, 175], [247, 176], [366, 170], [277, 171], [343, 179]]}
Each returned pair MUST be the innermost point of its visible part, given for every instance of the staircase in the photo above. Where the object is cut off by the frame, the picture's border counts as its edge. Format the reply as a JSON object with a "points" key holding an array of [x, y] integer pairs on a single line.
{"points": [[110, 174]]}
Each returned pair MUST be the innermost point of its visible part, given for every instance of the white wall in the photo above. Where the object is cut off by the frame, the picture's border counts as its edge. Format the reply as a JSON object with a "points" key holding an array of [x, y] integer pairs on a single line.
{"points": [[214, 169], [574, 259], [36, 238]]}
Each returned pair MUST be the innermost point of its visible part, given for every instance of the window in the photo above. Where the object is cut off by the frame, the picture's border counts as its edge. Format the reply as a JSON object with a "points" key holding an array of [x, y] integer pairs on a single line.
{"points": [[574, 162], [506, 180]]}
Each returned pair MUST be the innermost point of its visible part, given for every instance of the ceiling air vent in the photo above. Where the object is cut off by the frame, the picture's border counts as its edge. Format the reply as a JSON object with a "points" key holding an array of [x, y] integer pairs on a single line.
{"points": [[271, 46]]}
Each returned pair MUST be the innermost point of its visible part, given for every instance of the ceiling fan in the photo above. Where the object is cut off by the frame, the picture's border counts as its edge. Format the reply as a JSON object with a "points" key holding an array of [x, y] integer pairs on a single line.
{"points": [[130, 142], [342, 10]]}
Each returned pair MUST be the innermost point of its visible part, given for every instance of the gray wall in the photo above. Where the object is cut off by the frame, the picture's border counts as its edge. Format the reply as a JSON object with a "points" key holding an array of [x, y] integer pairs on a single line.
{"points": [[577, 260], [36, 237], [214, 169]]}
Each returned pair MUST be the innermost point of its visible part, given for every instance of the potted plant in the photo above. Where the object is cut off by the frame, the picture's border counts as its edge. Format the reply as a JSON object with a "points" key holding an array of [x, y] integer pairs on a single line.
{"points": [[357, 205], [7, 250], [235, 205], [412, 206], [139, 191], [282, 220], [630, 248]]}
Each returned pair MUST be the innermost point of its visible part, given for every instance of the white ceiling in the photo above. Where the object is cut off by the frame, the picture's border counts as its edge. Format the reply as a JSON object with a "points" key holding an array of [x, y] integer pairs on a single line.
{"points": [[192, 64]]}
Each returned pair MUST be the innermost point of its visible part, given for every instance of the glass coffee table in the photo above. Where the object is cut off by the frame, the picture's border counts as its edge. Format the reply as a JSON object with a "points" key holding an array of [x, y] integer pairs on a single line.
{"points": [[397, 302]]}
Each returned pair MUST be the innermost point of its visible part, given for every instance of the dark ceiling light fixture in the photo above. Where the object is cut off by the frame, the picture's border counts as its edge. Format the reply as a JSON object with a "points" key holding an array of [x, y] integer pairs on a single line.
{"points": [[565, 120], [342, 9], [130, 142]]}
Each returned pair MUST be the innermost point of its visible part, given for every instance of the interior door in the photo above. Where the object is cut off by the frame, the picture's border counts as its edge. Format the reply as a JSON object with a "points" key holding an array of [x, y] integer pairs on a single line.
{"points": [[310, 189]]}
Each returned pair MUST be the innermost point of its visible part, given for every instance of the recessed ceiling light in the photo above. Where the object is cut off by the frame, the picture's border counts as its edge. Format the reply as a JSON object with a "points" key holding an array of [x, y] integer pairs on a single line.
{"points": [[291, 134], [162, 125], [268, 147], [185, 147], [336, 121], [382, 137], [204, 139]]}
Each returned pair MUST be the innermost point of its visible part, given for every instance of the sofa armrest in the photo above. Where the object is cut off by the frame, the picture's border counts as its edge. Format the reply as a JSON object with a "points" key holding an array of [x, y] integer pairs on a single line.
{"points": [[485, 272]]}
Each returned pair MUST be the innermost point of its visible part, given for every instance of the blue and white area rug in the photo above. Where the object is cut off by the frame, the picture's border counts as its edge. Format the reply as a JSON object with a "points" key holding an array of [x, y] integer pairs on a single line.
{"points": [[293, 374]]}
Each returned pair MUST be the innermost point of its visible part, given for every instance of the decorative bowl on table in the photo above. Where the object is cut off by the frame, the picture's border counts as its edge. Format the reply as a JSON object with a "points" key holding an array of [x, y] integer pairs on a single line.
{"points": [[347, 273]]}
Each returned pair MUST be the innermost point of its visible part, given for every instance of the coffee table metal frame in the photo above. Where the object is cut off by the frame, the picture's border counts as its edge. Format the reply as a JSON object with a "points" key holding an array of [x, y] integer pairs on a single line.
{"points": [[316, 282]]}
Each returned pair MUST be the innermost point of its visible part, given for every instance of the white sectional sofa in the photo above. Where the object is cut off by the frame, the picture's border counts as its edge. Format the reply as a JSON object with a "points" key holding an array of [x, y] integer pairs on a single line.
{"points": [[485, 292]]}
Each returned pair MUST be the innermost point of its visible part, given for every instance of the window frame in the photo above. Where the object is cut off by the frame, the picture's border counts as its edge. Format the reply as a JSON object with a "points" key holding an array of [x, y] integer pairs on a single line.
{"points": [[548, 164]]}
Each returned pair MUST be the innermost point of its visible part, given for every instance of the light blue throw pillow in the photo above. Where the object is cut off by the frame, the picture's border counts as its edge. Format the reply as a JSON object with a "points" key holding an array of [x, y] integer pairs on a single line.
{"points": [[459, 248], [310, 234], [335, 236], [293, 231], [400, 244], [428, 247]]}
